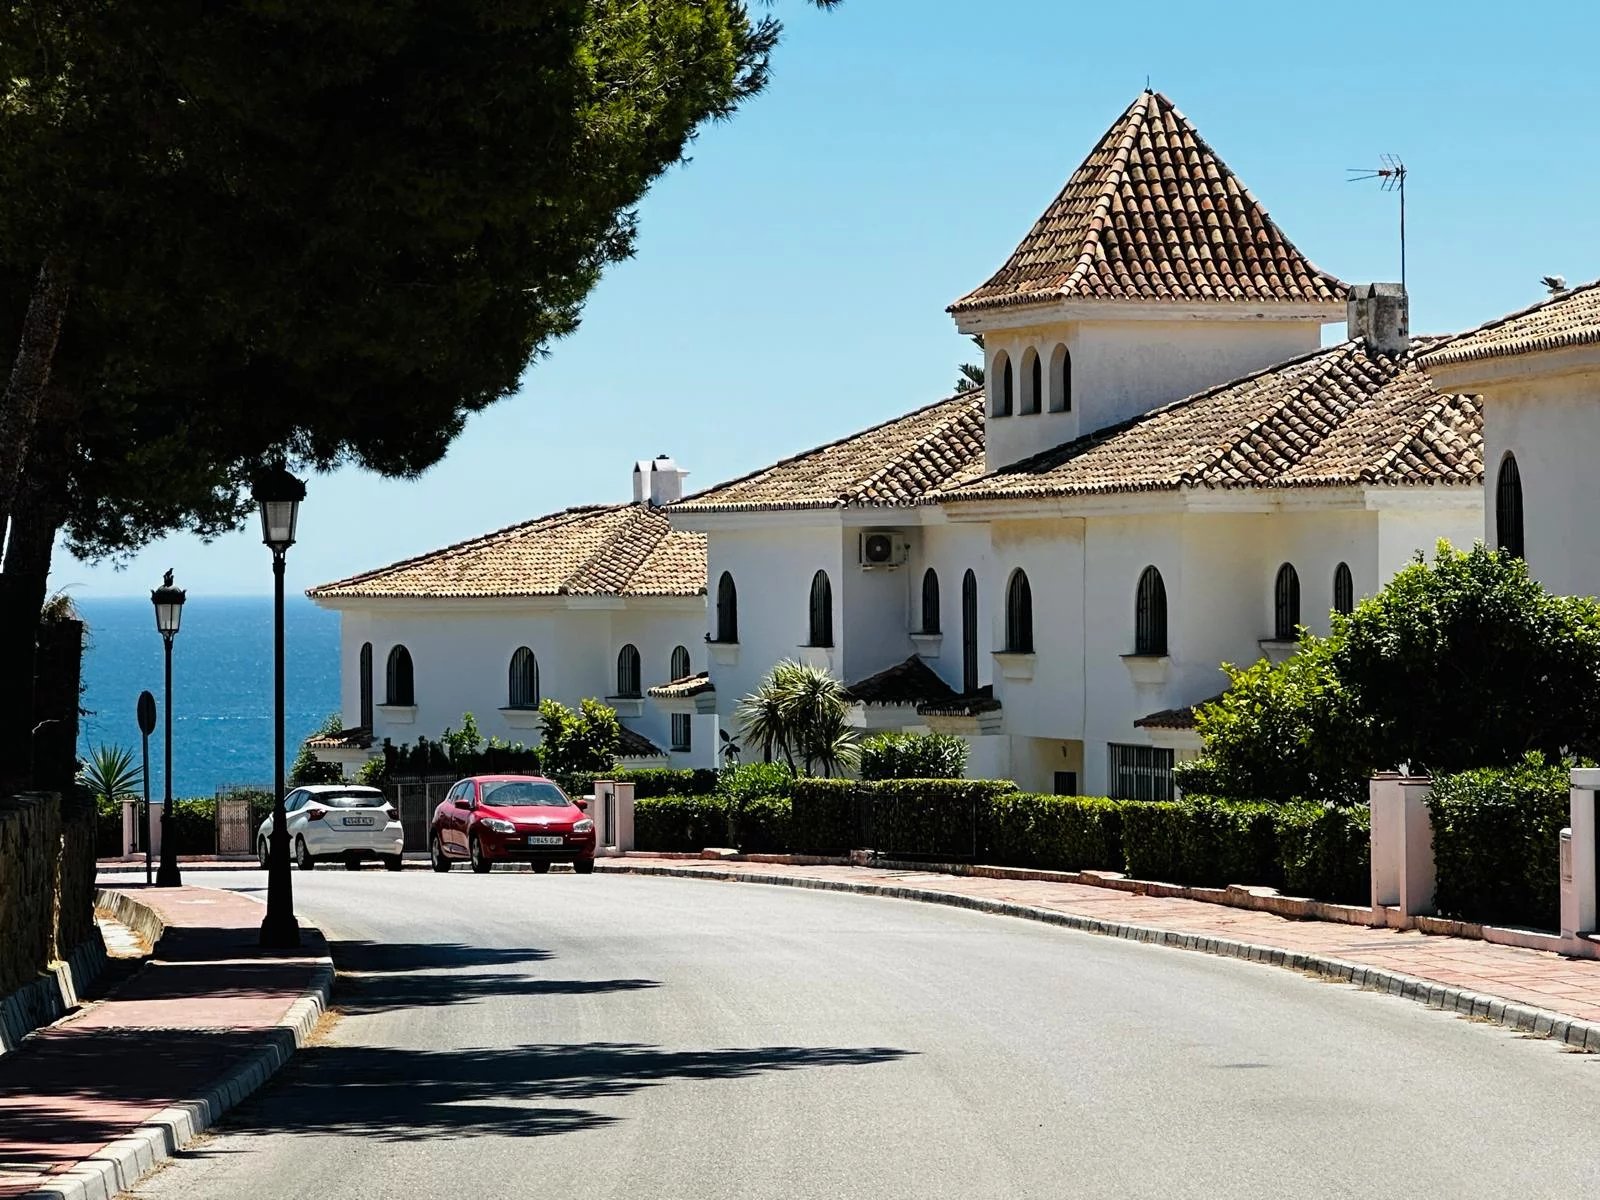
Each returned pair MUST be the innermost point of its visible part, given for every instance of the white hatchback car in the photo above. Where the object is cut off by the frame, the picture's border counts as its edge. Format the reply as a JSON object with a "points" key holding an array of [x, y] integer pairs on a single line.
{"points": [[337, 820]]}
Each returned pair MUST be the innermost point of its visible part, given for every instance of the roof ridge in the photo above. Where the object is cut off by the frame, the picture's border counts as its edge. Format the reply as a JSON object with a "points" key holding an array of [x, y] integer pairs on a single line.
{"points": [[553, 519], [927, 439], [1498, 322], [608, 550], [1116, 171]]}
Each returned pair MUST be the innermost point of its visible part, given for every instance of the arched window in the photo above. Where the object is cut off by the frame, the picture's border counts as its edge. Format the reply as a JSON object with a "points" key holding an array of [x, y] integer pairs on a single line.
{"points": [[821, 626], [969, 633], [727, 609], [522, 684], [1019, 614], [1508, 507], [1061, 380], [1285, 604], [930, 601], [680, 663], [366, 685], [1005, 394], [401, 682], [628, 671], [1033, 395], [1344, 590], [1150, 614]]}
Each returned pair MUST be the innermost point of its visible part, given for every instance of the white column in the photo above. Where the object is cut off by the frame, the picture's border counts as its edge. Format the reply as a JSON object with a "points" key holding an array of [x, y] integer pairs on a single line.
{"points": [[1403, 874], [1578, 901]]}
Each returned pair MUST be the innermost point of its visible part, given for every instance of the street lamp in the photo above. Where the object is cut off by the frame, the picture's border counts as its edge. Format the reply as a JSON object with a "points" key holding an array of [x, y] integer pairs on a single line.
{"points": [[279, 494], [168, 601]]}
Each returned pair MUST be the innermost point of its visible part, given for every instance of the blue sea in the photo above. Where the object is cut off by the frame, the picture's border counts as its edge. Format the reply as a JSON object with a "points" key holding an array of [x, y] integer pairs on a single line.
{"points": [[221, 684]]}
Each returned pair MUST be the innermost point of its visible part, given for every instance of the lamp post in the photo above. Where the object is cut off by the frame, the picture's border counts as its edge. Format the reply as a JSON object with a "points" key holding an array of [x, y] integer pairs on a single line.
{"points": [[279, 494], [147, 726], [168, 601]]}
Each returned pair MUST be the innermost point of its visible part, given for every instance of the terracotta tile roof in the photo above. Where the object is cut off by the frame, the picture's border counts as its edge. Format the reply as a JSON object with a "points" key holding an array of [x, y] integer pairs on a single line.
{"points": [[682, 689], [909, 682], [1154, 214], [1340, 416], [970, 705], [636, 745], [1175, 718], [898, 463], [1571, 318], [359, 738], [599, 550]]}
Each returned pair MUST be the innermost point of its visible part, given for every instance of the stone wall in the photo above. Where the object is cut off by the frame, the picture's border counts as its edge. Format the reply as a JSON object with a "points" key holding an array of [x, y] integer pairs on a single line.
{"points": [[30, 848], [75, 874]]}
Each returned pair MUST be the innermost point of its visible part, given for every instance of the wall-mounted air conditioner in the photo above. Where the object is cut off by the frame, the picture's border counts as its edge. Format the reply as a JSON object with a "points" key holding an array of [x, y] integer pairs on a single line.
{"points": [[883, 548]]}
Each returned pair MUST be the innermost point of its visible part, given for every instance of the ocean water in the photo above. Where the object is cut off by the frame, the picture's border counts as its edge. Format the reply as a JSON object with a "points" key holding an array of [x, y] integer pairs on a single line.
{"points": [[221, 684]]}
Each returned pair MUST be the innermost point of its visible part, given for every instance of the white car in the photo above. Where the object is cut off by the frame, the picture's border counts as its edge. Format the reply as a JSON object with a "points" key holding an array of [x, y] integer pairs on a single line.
{"points": [[337, 820]]}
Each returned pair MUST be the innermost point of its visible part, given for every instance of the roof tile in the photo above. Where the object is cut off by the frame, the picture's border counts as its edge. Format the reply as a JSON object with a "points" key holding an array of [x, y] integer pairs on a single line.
{"points": [[1570, 318]]}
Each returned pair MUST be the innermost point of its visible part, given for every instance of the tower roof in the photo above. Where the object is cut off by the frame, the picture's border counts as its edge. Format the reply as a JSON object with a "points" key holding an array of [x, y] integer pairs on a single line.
{"points": [[1153, 214]]}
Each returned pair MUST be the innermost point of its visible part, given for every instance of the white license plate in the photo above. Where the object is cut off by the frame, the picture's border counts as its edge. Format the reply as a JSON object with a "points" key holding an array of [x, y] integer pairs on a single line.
{"points": [[360, 821], [542, 839]]}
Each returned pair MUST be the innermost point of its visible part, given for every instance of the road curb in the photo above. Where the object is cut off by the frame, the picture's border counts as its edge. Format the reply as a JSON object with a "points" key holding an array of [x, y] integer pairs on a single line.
{"points": [[121, 1164], [1520, 1018]]}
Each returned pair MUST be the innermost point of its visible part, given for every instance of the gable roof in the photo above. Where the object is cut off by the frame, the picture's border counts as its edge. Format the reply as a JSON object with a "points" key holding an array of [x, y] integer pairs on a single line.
{"points": [[1570, 318], [898, 463], [597, 550], [1154, 214], [910, 682], [1339, 416]]}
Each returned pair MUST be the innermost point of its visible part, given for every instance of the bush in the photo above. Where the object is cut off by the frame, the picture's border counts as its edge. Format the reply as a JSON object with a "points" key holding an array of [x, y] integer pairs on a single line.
{"points": [[1497, 842], [944, 819], [307, 767], [822, 816], [762, 825], [585, 740], [914, 756], [1200, 842], [679, 823], [1325, 851], [1056, 833], [648, 782]]}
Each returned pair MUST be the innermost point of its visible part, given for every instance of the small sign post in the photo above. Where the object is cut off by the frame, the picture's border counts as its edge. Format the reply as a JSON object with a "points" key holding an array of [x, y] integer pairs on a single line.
{"points": [[147, 726]]}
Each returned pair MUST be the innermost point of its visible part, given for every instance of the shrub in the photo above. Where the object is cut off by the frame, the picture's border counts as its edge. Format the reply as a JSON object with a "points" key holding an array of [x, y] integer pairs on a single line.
{"points": [[1057, 833], [1200, 842], [944, 819], [648, 782], [1497, 841], [823, 816], [585, 740], [914, 756], [762, 825], [1325, 851], [753, 780], [679, 823]]}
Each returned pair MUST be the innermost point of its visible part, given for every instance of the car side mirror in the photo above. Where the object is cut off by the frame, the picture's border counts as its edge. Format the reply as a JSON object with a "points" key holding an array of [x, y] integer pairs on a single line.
{"points": [[472, 803], [582, 803]]}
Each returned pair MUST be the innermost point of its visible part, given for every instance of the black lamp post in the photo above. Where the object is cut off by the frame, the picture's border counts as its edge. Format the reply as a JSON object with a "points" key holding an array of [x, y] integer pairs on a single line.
{"points": [[279, 494], [168, 601]]}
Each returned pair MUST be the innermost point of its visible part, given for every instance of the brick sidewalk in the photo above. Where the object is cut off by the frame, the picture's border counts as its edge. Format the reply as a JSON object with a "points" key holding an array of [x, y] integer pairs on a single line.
{"points": [[1532, 979], [191, 1016]]}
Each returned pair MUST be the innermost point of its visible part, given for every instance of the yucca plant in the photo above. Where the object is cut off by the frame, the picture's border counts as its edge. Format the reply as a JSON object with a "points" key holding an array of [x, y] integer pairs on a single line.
{"points": [[801, 712], [111, 776]]}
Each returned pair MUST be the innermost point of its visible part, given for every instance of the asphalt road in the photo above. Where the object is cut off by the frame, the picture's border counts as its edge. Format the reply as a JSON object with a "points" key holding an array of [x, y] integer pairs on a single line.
{"points": [[606, 1036]]}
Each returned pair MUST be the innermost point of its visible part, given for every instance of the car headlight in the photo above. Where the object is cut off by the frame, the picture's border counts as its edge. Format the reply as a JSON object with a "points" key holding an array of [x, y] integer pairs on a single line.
{"points": [[496, 825], [583, 826]]}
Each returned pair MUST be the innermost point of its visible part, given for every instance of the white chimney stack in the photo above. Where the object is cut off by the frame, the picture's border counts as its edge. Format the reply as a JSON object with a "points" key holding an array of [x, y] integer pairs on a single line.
{"points": [[1379, 315], [641, 481], [666, 481]]}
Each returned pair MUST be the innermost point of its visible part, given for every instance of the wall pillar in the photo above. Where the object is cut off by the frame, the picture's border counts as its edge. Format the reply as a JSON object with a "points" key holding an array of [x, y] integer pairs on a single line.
{"points": [[1402, 850], [1578, 874], [130, 827], [612, 813]]}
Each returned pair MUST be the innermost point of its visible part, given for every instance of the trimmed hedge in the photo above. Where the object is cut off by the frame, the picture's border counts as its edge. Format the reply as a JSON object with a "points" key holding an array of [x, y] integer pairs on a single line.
{"points": [[1325, 851], [1497, 841], [679, 823], [929, 818], [1057, 833], [648, 782], [1201, 842], [823, 816], [914, 756], [762, 825]]}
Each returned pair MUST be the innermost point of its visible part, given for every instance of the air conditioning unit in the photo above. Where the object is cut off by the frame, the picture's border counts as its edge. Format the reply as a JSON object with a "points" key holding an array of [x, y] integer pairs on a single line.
{"points": [[883, 548]]}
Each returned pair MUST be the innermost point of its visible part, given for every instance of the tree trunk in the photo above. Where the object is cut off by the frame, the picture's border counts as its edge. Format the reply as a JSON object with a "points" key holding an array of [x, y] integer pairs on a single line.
{"points": [[30, 375], [35, 521]]}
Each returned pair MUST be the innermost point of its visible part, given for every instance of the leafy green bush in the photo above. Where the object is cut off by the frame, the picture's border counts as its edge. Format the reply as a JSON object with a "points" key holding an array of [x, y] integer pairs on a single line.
{"points": [[194, 824], [946, 819], [1200, 842], [679, 823], [823, 816], [1325, 851], [648, 782], [751, 780], [307, 767], [585, 740], [1056, 833], [1496, 843], [762, 825], [914, 756]]}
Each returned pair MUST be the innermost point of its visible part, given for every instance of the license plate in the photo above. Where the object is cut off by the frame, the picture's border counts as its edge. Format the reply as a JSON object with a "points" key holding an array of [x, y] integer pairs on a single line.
{"points": [[543, 839], [360, 821]]}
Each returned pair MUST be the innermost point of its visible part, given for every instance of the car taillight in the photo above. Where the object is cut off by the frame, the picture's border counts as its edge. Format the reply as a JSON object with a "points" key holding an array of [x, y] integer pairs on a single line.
{"points": [[391, 813], [316, 814]]}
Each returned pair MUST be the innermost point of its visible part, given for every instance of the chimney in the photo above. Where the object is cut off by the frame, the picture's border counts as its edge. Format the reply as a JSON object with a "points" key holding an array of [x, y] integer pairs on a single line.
{"points": [[666, 481], [1379, 315], [641, 481]]}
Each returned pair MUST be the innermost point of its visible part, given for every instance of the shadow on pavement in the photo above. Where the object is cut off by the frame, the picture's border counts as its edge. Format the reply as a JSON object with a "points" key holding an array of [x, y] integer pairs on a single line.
{"points": [[518, 1091]]}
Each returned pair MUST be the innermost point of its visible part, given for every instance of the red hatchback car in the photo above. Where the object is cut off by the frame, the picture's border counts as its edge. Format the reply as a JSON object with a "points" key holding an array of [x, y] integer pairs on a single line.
{"points": [[510, 818]]}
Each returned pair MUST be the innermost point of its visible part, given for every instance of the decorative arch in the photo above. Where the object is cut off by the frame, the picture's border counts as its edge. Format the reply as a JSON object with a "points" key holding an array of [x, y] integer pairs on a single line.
{"points": [[680, 667], [1286, 603], [522, 683], [628, 673], [969, 633], [1508, 507], [1019, 614], [1005, 386], [1150, 614], [366, 685], [1061, 379], [400, 679], [1032, 381], [1344, 590], [930, 601], [727, 609], [821, 622]]}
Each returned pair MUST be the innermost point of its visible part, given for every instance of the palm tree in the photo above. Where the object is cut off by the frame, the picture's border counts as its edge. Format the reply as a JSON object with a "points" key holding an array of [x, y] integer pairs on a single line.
{"points": [[970, 375], [801, 712], [110, 776], [764, 718]]}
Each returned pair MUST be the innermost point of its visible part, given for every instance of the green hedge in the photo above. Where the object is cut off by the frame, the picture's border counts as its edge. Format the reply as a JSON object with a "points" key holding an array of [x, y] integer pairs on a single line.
{"points": [[914, 756], [648, 782], [823, 817], [1201, 842], [1058, 833], [762, 825], [679, 823], [929, 818], [1497, 843], [1325, 851]]}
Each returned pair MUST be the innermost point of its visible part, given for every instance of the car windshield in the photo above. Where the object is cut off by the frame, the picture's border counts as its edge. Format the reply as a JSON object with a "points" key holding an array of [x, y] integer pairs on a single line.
{"points": [[348, 799], [521, 793]]}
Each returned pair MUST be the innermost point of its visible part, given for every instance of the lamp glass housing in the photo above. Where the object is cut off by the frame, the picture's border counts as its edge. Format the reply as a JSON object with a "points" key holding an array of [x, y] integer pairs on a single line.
{"points": [[279, 494], [168, 602]]}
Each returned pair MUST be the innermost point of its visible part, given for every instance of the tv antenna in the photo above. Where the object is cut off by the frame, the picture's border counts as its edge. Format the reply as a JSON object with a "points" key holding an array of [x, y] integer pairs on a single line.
{"points": [[1392, 178]]}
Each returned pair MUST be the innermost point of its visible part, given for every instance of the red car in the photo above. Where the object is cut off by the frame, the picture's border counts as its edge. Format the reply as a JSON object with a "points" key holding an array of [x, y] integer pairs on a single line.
{"points": [[510, 818]]}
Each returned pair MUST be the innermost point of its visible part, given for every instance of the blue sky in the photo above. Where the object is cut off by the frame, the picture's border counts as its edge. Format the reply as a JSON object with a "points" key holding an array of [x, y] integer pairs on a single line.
{"points": [[791, 280]]}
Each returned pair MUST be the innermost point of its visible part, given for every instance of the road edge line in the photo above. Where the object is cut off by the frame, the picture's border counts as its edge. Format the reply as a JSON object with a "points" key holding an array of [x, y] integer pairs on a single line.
{"points": [[1519, 1018]]}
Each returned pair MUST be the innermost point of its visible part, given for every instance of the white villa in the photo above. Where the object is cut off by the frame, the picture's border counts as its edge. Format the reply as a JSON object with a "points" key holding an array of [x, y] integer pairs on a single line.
{"points": [[1168, 470]]}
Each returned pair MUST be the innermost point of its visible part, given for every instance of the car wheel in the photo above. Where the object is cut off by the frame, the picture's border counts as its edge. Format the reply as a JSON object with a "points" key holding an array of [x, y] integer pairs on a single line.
{"points": [[441, 860], [261, 851], [302, 855], [541, 868], [584, 866], [480, 864], [394, 863]]}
